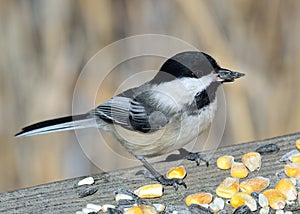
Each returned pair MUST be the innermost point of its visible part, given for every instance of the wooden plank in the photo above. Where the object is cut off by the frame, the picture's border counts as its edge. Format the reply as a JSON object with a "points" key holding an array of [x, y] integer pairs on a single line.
{"points": [[62, 196]]}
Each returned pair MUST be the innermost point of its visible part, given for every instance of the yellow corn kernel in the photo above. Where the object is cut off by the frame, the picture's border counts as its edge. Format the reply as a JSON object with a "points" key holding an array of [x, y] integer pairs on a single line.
{"points": [[242, 198], [295, 158], [134, 210], [287, 188], [255, 184], [252, 161], [298, 144], [292, 170], [176, 172], [199, 198], [225, 162], [228, 188], [148, 209], [150, 191], [276, 199], [238, 170]]}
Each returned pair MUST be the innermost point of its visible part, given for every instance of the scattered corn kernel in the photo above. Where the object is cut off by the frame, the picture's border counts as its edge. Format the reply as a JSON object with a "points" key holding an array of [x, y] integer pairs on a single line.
{"points": [[286, 156], [134, 210], [176, 172], [262, 200], [252, 161], [298, 144], [159, 207], [238, 170], [242, 198], [292, 170], [198, 198], [217, 204], [228, 188], [86, 181], [255, 184], [287, 188], [275, 198], [295, 157], [121, 196], [150, 191], [264, 210], [148, 209], [225, 162]]}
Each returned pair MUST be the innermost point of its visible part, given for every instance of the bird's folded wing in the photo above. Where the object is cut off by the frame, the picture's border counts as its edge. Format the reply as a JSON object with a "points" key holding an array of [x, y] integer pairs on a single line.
{"points": [[126, 112]]}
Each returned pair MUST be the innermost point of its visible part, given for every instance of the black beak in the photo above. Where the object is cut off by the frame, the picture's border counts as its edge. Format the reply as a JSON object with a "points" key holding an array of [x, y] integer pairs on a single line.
{"points": [[226, 75]]}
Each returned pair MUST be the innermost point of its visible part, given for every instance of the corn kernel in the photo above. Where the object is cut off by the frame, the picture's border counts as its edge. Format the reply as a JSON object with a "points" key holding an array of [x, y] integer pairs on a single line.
{"points": [[298, 144], [238, 170], [252, 161], [242, 198], [287, 188], [148, 209], [134, 210], [292, 170], [217, 205], [262, 200], [295, 158], [286, 156], [255, 184], [199, 198], [159, 207], [150, 191], [225, 162], [275, 198], [228, 188], [176, 172]]}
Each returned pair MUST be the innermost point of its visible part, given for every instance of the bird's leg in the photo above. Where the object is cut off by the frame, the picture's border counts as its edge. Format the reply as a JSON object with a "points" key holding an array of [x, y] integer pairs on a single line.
{"points": [[160, 178], [197, 157]]}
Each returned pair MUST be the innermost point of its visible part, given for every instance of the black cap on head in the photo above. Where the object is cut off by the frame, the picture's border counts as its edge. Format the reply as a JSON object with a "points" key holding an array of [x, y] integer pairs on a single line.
{"points": [[192, 64]]}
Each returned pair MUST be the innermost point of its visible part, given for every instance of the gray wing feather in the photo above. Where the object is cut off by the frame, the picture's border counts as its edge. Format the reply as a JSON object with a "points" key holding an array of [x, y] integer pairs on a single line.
{"points": [[129, 113]]}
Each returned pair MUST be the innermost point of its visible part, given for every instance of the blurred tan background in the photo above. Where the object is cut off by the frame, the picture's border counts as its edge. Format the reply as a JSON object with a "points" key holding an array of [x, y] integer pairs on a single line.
{"points": [[44, 45]]}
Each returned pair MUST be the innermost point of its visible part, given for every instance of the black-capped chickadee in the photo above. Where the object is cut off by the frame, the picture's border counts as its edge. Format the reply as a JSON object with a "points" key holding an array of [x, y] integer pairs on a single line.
{"points": [[160, 116]]}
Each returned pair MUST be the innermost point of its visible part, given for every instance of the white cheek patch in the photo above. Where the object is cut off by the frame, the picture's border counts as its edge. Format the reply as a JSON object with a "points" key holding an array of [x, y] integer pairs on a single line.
{"points": [[180, 92]]}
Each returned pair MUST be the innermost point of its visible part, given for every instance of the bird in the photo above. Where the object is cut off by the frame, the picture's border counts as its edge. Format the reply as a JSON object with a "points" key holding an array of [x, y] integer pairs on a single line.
{"points": [[161, 115]]}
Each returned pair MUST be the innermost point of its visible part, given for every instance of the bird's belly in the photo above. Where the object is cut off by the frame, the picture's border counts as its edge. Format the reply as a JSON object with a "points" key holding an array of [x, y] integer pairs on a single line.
{"points": [[172, 137]]}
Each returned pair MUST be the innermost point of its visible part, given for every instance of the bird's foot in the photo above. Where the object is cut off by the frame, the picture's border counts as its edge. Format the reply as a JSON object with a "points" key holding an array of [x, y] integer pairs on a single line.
{"points": [[197, 157], [171, 182]]}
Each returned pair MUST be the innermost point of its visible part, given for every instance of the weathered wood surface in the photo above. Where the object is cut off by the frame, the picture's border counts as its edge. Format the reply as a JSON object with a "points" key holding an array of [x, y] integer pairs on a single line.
{"points": [[62, 196]]}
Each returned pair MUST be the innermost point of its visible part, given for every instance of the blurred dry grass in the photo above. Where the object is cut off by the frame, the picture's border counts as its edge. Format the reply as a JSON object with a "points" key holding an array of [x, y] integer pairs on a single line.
{"points": [[44, 45]]}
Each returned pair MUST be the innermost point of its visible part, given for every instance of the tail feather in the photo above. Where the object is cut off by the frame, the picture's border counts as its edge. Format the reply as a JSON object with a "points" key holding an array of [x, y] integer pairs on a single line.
{"points": [[58, 124]]}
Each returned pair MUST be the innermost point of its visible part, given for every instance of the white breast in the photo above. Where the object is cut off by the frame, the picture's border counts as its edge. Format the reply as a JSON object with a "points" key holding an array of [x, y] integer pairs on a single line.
{"points": [[174, 136]]}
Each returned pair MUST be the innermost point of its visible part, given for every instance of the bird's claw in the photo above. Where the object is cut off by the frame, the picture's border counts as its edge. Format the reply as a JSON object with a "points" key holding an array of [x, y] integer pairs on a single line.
{"points": [[197, 157], [171, 182]]}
